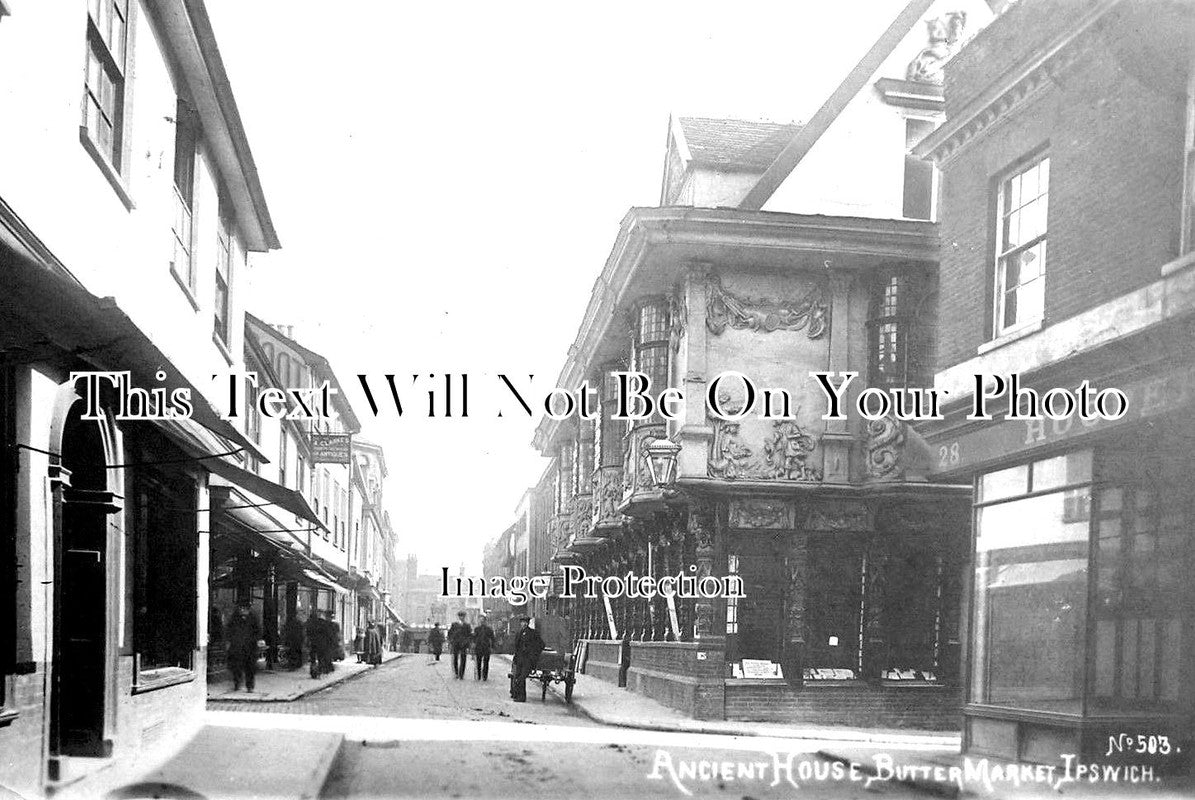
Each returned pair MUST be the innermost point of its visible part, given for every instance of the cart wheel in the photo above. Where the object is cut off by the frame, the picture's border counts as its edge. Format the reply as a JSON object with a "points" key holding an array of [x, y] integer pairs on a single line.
{"points": [[568, 688], [543, 683]]}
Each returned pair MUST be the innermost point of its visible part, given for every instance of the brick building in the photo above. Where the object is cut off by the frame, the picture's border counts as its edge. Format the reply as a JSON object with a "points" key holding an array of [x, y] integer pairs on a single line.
{"points": [[1070, 126]]}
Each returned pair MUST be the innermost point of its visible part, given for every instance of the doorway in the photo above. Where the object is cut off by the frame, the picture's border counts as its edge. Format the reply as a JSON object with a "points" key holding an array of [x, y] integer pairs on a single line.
{"points": [[80, 634]]}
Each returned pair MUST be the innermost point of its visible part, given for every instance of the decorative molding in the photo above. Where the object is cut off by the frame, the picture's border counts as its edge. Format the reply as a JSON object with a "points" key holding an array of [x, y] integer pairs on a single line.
{"points": [[885, 448], [840, 515], [607, 495], [1010, 93], [723, 309], [945, 35], [678, 319], [785, 454], [760, 513]]}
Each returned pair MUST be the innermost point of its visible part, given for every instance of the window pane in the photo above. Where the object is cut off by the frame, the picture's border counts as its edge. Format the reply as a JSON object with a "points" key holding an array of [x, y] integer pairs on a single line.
{"points": [[1062, 471], [1005, 483], [1031, 579]]}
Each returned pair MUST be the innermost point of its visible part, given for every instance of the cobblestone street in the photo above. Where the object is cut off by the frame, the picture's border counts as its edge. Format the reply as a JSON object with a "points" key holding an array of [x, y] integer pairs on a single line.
{"points": [[411, 730]]}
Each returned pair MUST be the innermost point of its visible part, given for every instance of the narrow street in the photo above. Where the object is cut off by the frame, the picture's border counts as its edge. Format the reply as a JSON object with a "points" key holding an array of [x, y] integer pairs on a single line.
{"points": [[411, 730]]}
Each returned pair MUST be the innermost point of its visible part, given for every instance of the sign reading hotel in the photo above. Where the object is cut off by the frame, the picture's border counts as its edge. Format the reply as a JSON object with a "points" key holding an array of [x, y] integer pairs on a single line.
{"points": [[331, 448]]}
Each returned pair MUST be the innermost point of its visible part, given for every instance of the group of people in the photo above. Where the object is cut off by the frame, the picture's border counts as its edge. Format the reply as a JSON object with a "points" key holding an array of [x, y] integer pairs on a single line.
{"points": [[368, 643], [462, 635], [323, 642], [528, 645]]}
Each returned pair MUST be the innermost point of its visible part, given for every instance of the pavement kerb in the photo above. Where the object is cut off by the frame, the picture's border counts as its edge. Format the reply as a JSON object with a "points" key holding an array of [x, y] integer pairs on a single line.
{"points": [[293, 696], [730, 729], [323, 767]]}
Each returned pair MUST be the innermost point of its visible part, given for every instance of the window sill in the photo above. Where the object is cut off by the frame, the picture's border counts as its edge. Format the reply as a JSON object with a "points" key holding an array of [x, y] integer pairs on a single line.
{"points": [[222, 347], [153, 679], [182, 284], [8, 716], [110, 172], [1010, 336]]}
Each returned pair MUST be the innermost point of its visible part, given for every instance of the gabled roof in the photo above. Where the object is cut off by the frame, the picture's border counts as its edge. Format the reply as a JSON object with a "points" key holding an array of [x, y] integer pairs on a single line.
{"points": [[734, 143]]}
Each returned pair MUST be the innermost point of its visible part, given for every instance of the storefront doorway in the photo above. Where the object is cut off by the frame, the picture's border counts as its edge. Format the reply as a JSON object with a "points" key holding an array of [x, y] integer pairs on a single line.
{"points": [[82, 508]]}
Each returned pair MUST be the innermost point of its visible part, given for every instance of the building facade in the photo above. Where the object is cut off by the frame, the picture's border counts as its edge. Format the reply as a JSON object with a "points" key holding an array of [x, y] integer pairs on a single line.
{"points": [[1071, 128], [779, 250], [153, 206]]}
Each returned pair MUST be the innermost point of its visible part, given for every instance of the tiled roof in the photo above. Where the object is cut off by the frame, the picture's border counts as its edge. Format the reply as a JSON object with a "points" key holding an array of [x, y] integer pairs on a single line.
{"points": [[735, 143]]}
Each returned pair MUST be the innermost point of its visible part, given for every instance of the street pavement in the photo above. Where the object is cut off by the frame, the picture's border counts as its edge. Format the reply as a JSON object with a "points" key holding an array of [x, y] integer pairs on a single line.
{"points": [[411, 730]]}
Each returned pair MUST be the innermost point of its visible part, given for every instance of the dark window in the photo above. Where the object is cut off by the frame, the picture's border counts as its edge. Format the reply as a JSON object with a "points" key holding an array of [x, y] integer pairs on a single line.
{"points": [[1138, 630], [165, 551], [223, 305], [895, 333], [283, 456], [186, 139], [611, 430], [919, 175], [103, 93]]}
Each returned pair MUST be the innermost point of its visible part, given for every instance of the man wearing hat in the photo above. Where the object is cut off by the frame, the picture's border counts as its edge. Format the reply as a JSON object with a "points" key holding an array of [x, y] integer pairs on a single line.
{"points": [[528, 645], [483, 645], [459, 635]]}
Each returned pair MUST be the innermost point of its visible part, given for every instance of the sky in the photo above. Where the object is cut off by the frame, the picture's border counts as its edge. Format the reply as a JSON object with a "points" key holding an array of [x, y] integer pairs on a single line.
{"points": [[447, 180]]}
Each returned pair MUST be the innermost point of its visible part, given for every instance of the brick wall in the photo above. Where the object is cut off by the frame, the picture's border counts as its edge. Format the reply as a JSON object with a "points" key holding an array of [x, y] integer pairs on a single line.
{"points": [[687, 676], [1115, 142], [921, 708]]}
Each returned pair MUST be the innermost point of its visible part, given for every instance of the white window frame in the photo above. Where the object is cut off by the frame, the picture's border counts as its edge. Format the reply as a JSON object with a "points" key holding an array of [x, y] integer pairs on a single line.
{"points": [[1004, 253]]}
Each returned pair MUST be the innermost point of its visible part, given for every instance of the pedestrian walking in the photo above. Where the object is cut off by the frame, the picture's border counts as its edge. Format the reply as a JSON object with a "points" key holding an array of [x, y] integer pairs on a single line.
{"points": [[394, 641], [483, 645], [243, 632], [460, 633], [373, 645], [527, 647], [435, 640]]}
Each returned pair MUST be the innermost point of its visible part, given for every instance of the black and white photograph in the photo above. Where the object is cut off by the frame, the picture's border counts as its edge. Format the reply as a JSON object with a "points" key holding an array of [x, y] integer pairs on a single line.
{"points": [[534, 400]]}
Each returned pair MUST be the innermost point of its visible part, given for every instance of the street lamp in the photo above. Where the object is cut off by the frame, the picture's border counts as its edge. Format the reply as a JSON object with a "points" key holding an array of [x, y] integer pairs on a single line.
{"points": [[661, 462]]}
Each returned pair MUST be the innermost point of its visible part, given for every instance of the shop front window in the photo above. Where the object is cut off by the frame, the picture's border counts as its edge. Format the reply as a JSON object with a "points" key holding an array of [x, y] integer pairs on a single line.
{"points": [[1030, 605], [1139, 582]]}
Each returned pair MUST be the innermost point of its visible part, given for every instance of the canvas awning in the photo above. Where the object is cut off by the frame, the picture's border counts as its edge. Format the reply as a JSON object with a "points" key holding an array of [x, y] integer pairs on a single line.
{"points": [[324, 581]]}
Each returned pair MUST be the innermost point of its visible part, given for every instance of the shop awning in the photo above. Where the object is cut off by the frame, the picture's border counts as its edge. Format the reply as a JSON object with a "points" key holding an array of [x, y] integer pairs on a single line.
{"points": [[283, 498], [45, 312], [324, 581]]}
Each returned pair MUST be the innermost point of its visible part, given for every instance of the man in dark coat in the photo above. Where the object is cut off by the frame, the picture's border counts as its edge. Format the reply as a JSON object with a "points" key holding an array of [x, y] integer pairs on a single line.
{"points": [[435, 640], [373, 644], [292, 635], [243, 632], [460, 633], [320, 641], [527, 647], [483, 645]]}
